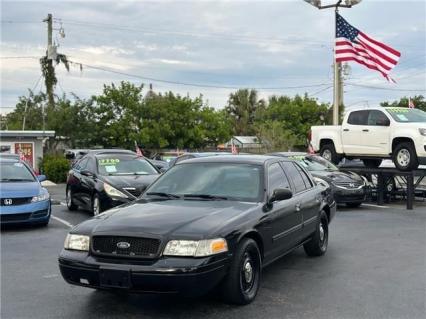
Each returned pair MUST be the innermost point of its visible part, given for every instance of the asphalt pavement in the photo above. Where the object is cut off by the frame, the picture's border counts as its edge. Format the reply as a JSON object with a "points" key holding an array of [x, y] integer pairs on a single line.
{"points": [[374, 268]]}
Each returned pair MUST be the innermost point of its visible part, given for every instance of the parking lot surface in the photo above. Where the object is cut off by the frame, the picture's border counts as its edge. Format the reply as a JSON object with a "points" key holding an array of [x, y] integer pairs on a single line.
{"points": [[374, 268]]}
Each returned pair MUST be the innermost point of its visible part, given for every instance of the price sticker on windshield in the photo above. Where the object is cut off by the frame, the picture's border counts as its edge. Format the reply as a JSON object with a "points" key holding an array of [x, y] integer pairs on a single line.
{"points": [[108, 161]]}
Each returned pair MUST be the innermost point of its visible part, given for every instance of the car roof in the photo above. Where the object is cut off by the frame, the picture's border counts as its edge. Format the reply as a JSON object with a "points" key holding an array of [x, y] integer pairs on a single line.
{"points": [[203, 154], [110, 151], [244, 159], [289, 154]]}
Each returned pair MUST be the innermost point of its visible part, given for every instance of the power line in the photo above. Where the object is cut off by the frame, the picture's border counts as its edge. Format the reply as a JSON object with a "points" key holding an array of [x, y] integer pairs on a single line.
{"points": [[386, 89], [19, 57], [193, 84], [18, 22]]}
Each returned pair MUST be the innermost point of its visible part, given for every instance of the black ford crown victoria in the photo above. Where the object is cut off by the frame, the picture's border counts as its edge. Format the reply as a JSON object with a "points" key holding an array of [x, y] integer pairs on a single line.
{"points": [[207, 222]]}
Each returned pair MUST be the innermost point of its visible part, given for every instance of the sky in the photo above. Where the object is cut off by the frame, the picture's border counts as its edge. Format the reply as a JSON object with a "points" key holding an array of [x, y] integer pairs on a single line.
{"points": [[277, 47]]}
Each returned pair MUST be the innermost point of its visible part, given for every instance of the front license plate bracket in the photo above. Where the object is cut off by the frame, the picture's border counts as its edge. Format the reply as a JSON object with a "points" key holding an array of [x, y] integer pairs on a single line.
{"points": [[113, 278]]}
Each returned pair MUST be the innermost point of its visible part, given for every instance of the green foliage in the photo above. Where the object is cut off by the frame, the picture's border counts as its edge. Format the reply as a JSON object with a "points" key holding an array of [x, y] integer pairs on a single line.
{"points": [[275, 136], [418, 100], [55, 167]]}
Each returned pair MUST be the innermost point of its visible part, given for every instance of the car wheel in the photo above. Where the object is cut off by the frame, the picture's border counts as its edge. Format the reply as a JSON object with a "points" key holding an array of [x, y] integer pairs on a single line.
{"points": [[328, 152], [96, 205], [372, 163], [317, 246], [353, 205], [69, 200], [241, 284], [405, 157]]}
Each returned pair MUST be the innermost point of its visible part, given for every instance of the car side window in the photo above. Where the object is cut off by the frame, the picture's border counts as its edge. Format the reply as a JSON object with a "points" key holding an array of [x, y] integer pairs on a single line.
{"points": [[91, 165], [277, 178], [305, 177], [377, 118], [358, 118], [81, 165], [294, 175]]}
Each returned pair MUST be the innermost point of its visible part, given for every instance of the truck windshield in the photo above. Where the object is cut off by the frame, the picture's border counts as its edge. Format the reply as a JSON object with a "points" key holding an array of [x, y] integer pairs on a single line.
{"points": [[406, 115]]}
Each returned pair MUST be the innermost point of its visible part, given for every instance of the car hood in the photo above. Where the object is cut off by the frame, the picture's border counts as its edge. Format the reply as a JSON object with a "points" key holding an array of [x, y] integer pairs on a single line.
{"points": [[337, 176], [19, 189], [136, 181], [189, 219]]}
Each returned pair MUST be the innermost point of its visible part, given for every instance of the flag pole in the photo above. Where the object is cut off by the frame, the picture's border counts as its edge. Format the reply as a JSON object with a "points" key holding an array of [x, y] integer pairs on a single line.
{"points": [[337, 74]]}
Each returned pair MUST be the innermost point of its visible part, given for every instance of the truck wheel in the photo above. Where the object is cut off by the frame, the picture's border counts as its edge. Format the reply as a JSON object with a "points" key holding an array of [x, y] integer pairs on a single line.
{"points": [[372, 163], [405, 157], [317, 246], [241, 284], [329, 153]]}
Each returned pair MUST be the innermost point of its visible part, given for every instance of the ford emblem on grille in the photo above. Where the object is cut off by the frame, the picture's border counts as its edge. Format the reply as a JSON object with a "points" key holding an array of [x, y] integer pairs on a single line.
{"points": [[123, 245], [352, 185], [8, 201]]}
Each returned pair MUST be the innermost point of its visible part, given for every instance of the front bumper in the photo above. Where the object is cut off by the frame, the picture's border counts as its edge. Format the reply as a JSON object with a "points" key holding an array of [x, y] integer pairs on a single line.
{"points": [[32, 213], [343, 196], [187, 276]]}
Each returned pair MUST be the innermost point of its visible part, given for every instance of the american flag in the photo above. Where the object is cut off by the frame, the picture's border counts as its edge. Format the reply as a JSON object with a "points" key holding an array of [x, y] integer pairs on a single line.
{"points": [[138, 150], [354, 45], [234, 149]]}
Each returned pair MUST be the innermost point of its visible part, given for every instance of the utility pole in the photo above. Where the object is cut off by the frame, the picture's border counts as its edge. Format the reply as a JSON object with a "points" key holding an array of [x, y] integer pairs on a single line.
{"points": [[49, 55], [338, 79]]}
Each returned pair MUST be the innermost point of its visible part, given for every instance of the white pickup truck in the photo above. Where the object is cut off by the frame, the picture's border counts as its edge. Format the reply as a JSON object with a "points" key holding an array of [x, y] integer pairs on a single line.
{"points": [[375, 134]]}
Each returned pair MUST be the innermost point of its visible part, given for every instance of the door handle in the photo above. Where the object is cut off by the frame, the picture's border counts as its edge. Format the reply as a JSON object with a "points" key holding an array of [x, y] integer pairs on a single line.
{"points": [[365, 130], [298, 207], [346, 130]]}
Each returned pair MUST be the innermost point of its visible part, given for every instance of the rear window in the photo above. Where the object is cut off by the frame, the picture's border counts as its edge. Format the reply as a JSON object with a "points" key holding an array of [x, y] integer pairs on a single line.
{"points": [[358, 118]]}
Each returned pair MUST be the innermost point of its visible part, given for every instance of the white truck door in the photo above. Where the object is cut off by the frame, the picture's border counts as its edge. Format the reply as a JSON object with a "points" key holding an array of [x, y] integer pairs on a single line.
{"points": [[376, 135], [352, 133]]}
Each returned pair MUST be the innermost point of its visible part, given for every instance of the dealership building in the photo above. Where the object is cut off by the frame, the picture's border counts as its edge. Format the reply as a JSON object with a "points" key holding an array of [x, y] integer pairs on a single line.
{"points": [[28, 144]]}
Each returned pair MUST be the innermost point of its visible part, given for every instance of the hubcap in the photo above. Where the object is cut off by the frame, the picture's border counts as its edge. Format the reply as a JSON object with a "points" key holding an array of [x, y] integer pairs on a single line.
{"points": [[68, 199], [327, 155], [403, 157], [95, 206], [322, 234], [248, 272]]}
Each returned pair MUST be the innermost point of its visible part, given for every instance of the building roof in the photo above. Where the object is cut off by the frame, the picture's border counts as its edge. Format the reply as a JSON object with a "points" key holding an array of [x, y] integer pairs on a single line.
{"points": [[27, 133], [247, 139]]}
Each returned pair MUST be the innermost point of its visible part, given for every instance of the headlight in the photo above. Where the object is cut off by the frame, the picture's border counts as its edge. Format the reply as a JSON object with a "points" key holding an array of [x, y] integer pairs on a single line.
{"points": [[77, 242], [194, 248], [322, 182], [422, 131], [111, 191], [44, 195]]}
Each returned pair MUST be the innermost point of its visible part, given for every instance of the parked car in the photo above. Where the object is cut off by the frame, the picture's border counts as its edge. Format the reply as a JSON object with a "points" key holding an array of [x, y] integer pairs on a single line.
{"points": [[186, 156], [75, 154], [22, 198], [207, 222], [162, 166], [348, 188], [103, 179], [373, 135]]}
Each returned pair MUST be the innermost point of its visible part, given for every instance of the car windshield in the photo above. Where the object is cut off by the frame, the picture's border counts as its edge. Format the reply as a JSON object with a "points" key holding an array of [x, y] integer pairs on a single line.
{"points": [[218, 181], [15, 172], [314, 163], [124, 165], [407, 115]]}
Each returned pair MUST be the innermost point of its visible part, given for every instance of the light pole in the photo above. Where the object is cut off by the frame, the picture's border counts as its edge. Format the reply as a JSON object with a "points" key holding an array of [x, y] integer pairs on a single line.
{"points": [[338, 80]]}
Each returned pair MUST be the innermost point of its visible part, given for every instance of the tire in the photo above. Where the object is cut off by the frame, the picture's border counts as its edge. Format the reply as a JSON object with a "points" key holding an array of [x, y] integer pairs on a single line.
{"points": [[96, 205], [317, 246], [372, 163], [353, 205], [242, 282], [328, 152], [71, 206], [404, 157]]}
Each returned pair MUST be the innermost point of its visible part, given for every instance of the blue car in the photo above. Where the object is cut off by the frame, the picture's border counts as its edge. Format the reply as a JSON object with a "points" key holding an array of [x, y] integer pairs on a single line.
{"points": [[22, 198]]}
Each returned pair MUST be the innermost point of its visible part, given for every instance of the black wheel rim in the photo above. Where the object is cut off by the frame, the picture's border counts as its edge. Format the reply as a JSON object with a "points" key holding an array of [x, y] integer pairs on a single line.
{"points": [[249, 272], [323, 234]]}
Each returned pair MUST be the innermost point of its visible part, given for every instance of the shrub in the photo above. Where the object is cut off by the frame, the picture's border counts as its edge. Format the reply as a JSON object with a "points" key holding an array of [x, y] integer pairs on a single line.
{"points": [[55, 167]]}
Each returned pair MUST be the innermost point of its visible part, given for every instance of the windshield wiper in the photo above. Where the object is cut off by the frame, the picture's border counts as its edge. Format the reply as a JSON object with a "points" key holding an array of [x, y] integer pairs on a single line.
{"points": [[206, 196], [16, 180], [168, 195]]}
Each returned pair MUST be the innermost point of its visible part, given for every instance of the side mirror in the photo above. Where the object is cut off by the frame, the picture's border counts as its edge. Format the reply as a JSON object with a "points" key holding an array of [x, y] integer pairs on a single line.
{"points": [[281, 194], [41, 178], [86, 173], [69, 156]]}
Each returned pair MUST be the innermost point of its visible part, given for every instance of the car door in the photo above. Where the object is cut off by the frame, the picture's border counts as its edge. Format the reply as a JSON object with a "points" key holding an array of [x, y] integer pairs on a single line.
{"points": [[376, 134], [88, 181], [306, 198], [352, 132], [285, 217], [74, 180]]}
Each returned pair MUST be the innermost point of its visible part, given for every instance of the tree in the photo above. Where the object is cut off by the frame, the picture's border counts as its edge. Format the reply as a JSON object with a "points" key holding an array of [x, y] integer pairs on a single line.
{"points": [[242, 108], [418, 100], [275, 136]]}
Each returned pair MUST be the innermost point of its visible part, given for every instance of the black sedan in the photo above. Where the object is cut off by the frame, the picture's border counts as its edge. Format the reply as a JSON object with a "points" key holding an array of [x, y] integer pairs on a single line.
{"points": [[348, 188], [103, 179], [207, 222]]}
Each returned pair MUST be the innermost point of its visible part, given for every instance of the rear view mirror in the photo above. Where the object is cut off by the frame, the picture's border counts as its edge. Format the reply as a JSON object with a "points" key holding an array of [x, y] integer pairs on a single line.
{"points": [[86, 173], [281, 194]]}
